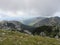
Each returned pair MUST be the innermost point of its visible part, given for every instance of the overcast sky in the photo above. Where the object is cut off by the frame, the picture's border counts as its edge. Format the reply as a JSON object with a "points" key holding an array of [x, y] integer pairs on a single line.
{"points": [[28, 8]]}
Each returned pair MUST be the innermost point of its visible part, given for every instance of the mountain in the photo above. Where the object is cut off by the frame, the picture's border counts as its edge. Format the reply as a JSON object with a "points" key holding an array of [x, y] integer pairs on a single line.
{"points": [[32, 21], [15, 25], [48, 21]]}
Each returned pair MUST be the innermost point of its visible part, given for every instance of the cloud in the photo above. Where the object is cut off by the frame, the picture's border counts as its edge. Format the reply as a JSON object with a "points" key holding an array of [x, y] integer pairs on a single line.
{"points": [[17, 15], [16, 8]]}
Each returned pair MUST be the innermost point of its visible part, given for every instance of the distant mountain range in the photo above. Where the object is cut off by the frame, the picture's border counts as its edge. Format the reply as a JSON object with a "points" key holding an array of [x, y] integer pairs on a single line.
{"points": [[30, 24], [32, 21]]}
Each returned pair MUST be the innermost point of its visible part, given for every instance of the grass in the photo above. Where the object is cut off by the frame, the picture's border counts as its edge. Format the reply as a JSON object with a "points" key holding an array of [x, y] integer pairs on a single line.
{"points": [[16, 38]]}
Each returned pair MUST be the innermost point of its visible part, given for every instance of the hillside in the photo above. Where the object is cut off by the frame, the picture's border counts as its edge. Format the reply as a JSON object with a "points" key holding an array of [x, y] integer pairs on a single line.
{"points": [[16, 38], [15, 25], [48, 21]]}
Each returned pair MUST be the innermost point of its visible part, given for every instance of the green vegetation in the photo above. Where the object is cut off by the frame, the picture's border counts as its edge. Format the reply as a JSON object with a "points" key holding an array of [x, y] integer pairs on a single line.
{"points": [[8, 37], [50, 31]]}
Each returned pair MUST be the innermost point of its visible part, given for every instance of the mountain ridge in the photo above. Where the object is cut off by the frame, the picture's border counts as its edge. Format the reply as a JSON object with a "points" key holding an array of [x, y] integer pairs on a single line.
{"points": [[48, 21]]}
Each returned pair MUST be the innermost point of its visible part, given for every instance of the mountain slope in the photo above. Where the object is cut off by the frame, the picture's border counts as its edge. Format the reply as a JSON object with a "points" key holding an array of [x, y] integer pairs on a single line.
{"points": [[48, 21], [16, 25]]}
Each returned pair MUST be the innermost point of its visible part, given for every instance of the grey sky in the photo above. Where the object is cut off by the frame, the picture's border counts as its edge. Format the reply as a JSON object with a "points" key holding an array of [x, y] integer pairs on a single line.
{"points": [[29, 7]]}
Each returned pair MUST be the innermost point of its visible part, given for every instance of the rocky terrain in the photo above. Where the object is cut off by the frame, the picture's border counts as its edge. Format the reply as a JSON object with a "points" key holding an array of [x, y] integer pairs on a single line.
{"points": [[48, 21]]}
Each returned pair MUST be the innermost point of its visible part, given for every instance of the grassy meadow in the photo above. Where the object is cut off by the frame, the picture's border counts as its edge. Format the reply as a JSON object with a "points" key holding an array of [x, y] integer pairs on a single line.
{"points": [[8, 37]]}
